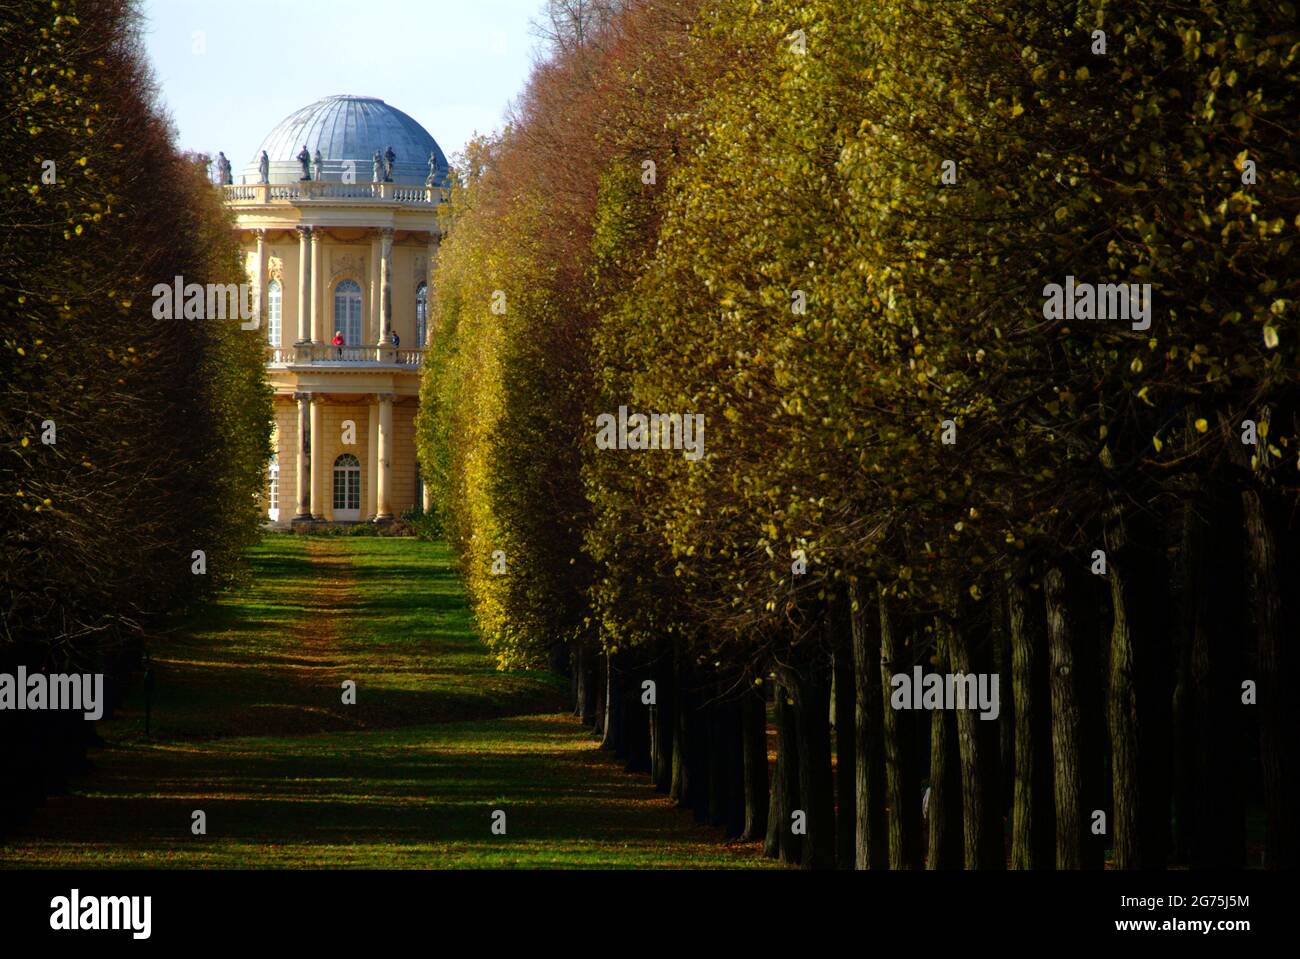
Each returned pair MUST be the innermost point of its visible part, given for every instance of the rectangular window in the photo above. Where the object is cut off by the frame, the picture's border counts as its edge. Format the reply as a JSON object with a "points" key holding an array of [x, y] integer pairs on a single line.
{"points": [[347, 489], [273, 310]]}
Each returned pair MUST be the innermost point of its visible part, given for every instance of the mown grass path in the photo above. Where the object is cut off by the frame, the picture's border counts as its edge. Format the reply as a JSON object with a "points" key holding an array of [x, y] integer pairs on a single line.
{"points": [[249, 726]]}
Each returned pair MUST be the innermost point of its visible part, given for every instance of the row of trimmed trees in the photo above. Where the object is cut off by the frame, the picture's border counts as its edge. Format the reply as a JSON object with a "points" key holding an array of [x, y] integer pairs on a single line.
{"points": [[832, 230], [130, 442]]}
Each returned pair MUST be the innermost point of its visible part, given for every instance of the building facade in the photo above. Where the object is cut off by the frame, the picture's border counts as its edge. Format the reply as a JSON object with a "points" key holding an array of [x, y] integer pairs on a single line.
{"points": [[337, 217]]}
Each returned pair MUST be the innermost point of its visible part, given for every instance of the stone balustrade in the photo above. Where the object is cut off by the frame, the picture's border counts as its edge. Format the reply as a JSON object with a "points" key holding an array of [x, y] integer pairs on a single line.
{"points": [[325, 355], [332, 191]]}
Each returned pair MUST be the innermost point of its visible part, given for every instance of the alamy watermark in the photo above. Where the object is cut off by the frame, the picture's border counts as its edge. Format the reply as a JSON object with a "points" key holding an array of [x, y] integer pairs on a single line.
{"points": [[76, 912], [179, 300], [79, 692], [653, 431], [1101, 301], [946, 691]]}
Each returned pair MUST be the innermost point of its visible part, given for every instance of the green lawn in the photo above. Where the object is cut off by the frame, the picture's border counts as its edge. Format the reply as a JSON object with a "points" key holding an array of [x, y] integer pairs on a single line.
{"points": [[248, 726]]}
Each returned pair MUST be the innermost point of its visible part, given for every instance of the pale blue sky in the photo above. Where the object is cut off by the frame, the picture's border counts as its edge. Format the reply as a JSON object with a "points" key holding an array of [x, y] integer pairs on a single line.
{"points": [[453, 66]]}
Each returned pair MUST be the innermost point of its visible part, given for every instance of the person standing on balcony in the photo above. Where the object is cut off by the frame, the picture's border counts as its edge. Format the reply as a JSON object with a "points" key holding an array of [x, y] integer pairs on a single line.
{"points": [[396, 340], [338, 342]]}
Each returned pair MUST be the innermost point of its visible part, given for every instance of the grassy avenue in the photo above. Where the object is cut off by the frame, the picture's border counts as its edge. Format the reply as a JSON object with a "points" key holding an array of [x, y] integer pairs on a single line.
{"points": [[248, 725]]}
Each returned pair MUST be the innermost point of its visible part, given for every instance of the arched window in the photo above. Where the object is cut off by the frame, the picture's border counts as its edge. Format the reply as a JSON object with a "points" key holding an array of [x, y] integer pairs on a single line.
{"points": [[273, 495], [347, 487], [421, 315], [274, 301], [347, 312]]}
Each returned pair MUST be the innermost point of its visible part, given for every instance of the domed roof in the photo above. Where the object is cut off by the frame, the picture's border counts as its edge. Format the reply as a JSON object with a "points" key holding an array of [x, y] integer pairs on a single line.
{"points": [[347, 128]]}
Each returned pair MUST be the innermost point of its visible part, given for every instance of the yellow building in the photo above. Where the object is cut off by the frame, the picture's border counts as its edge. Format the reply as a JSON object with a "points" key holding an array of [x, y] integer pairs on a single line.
{"points": [[337, 214]]}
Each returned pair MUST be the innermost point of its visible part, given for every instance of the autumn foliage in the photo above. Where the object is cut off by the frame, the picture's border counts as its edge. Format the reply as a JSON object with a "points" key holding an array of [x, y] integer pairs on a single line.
{"points": [[130, 442], [841, 257]]}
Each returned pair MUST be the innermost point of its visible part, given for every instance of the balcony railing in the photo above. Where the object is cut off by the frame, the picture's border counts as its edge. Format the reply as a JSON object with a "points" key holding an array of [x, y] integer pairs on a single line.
{"points": [[317, 355], [333, 192]]}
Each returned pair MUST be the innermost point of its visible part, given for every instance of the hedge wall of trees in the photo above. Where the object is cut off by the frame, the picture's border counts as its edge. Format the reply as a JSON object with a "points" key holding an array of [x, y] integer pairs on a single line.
{"points": [[129, 442], [830, 228]]}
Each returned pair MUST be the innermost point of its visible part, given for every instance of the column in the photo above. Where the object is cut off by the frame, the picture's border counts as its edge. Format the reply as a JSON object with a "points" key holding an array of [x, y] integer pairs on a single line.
{"points": [[317, 461], [372, 461], [385, 284], [317, 313], [304, 458], [304, 284], [384, 487], [431, 260], [259, 282], [376, 323]]}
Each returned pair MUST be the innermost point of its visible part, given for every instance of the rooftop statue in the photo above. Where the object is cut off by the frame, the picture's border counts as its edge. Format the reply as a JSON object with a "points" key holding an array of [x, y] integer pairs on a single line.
{"points": [[305, 159], [264, 168], [389, 159], [223, 169], [318, 166], [379, 168], [433, 170]]}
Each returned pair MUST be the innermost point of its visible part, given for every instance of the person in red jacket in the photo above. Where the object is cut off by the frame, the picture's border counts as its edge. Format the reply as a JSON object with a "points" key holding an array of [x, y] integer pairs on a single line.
{"points": [[338, 342]]}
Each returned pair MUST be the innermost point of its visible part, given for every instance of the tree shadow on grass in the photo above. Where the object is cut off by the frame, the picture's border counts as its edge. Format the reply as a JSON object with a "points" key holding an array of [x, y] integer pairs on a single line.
{"points": [[412, 798]]}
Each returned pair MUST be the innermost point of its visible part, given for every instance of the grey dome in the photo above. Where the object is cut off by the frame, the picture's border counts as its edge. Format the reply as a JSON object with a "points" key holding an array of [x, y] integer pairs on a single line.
{"points": [[348, 128]]}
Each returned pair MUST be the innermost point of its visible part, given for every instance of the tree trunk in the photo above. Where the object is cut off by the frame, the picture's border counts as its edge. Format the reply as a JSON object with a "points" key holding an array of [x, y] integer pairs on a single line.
{"points": [[636, 719], [813, 704], [781, 840], [1121, 709], [943, 807], [1184, 725], [734, 815], [1032, 818], [1065, 723], [982, 842], [715, 724], [900, 805], [586, 670], [663, 718], [776, 810], [753, 706], [871, 846], [845, 750], [601, 668], [680, 773], [612, 738], [1218, 610], [697, 750], [1000, 644], [1138, 692], [575, 682], [1276, 742]]}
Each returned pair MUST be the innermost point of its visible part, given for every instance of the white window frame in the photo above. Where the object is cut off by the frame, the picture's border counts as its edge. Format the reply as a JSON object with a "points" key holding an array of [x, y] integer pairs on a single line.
{"points": [[346, 321], [273, 488], [421, 315], [274, 312], [347, 470]]}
